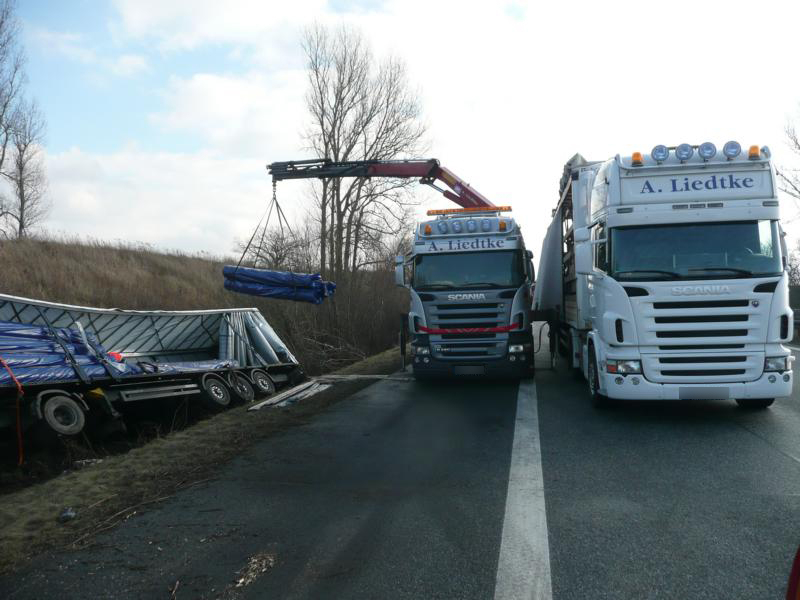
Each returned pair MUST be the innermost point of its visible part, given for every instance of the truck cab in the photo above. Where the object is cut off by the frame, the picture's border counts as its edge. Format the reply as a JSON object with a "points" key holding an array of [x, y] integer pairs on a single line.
{"points": [[679, 281], [469, 277]]}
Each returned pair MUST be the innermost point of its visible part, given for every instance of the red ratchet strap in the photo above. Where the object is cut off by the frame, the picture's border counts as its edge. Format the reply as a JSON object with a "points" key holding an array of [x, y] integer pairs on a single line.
{"points": [[502, 329], [20, 394]]}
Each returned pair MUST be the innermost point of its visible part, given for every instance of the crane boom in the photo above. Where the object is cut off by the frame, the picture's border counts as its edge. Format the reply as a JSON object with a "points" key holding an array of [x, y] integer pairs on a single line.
{"points": [[427, 170]]}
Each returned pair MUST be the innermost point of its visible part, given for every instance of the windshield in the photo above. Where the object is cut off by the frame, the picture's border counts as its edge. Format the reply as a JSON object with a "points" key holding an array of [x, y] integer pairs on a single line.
{"points": [[696, 251], [499, 269]]}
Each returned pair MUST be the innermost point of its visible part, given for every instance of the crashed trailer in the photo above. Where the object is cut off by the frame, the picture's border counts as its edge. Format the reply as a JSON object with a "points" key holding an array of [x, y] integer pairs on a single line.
{"points": [[212, 355]]}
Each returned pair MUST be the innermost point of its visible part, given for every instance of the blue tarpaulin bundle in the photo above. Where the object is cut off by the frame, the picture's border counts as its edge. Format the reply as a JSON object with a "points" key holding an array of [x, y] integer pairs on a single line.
{"points": [[278, 284]]}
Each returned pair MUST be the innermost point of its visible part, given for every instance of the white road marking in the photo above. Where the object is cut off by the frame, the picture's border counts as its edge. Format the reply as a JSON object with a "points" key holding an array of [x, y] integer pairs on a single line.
{"points": [[523, 570]]}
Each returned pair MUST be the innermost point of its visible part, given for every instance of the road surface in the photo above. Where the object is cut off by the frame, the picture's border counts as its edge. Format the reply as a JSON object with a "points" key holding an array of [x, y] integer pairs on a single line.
{"points": [[470, 490]]}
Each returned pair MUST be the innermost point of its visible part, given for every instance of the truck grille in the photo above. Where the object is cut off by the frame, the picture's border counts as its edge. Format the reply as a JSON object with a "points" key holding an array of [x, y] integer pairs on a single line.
{"points": [[701, 341], [702, 324], [469, 346]]}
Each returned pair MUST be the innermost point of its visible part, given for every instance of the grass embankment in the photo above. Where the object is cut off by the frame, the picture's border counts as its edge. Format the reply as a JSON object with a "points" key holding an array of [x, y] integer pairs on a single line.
{"points": [[105, 494]]}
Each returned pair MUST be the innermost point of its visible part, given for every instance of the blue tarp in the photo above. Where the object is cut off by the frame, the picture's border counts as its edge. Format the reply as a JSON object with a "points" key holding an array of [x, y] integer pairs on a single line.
{"points": [[35, 356], [283, 285]]}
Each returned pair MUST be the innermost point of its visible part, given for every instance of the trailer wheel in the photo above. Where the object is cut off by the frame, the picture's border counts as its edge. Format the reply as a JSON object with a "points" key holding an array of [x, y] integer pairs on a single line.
{"points": [[241, 387], [755, 403], [215, 393], [598, 399], [262, 382], [63, 415]]}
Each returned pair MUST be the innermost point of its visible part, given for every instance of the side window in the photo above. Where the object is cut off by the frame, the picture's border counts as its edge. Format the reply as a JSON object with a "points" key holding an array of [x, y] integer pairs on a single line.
{"points": [[599, 197], [600, 249]]}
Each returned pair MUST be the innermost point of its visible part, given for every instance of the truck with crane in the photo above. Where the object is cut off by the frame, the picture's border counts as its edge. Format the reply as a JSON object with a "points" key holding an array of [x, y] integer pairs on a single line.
{"points": [[663, 276], [468, 274]]}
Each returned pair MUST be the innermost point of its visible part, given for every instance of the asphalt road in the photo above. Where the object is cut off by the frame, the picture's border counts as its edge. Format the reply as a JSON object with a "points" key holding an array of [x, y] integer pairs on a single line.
{"points": [[420, 490]]}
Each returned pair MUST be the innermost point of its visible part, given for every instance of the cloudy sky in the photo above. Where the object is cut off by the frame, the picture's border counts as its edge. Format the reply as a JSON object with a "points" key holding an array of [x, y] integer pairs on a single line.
{"points": [[162, 114]]}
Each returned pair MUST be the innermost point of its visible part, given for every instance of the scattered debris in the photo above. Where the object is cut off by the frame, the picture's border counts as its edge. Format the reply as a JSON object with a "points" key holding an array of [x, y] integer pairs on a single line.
{"points": [[67, 515], [257, 565], [174, 589], [86, 462]]}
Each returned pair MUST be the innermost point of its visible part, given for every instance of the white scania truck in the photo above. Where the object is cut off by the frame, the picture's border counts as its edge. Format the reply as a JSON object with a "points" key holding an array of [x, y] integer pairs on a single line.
{"points": [[664, 276]]}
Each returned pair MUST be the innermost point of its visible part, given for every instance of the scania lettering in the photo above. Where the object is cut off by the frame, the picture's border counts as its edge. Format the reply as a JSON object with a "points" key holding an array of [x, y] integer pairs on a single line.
{"points": [[664, 276]]}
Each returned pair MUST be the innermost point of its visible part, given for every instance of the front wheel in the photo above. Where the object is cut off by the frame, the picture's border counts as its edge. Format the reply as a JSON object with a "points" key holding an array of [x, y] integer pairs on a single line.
{"points": [[755, 403], [598, 399]]}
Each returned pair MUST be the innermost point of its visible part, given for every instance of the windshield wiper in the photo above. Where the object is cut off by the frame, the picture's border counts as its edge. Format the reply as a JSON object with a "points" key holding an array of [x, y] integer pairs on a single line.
{"points": [[672, 274], [729, 269], [483, 285]]}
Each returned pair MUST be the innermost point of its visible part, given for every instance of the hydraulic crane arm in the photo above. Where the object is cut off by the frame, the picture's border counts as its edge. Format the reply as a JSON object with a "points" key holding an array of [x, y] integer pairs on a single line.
{"points": [[428, 172]]}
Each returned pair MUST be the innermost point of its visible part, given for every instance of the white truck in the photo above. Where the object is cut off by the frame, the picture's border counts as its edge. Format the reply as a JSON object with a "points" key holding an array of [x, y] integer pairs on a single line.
{"points": [[663, 276]]}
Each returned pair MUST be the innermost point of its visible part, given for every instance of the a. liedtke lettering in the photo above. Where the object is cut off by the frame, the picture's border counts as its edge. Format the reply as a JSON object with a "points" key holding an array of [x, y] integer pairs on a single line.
{"points": [[456, 245], [688, 184]]}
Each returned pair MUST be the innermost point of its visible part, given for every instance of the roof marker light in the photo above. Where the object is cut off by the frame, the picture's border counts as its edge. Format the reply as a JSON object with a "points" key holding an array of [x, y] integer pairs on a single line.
{"points": [[754, 153], [684, 152], [481, 209], [502, 226], [660, 153], [707, 151], [442, 226], [428, 230], [636, 159], [732, 149]]}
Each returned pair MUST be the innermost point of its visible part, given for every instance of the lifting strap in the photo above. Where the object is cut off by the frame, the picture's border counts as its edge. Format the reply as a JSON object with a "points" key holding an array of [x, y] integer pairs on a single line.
{"points": [[20, 394], [282, 221]]}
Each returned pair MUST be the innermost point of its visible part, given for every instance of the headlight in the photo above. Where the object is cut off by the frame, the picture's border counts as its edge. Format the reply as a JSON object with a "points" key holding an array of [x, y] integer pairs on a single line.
{"points": [[777, 363], [516, 348], [624, 367], [421, 349]]}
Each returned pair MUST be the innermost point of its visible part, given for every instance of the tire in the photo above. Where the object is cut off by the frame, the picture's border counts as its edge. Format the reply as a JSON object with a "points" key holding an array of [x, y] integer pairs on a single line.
{"points": [[215, 394], [241, 388], [755, 403], [598, 399], [263, 384], [63, 415]]}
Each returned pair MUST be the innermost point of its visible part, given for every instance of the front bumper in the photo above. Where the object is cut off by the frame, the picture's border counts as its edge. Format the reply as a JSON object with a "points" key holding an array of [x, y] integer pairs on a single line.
{"points": [[647, 390], [504, 368]]}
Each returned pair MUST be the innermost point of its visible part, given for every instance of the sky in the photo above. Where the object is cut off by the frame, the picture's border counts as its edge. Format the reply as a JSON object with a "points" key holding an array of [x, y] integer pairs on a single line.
{"points": [[163, 114]]}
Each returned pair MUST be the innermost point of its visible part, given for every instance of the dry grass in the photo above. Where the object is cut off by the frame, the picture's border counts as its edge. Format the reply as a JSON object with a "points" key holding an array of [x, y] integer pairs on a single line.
{"points": [[361, 320], [110, 492]]}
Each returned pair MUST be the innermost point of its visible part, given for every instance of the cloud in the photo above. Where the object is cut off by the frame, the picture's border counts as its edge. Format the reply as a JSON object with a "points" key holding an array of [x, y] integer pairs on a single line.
{"points": [[194, 202], [73, 47], [238, 115]]}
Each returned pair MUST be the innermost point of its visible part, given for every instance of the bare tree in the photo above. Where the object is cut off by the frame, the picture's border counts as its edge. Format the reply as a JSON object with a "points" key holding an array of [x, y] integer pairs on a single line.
{"points": [[360, 109], [789, 179], [25, 173]]}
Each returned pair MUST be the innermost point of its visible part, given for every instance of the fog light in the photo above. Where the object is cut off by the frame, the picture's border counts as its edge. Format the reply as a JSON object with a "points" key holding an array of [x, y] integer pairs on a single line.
{"points": [[512, 358], [619, 380], [426, 360], [635, 381], [786, 377], [515, 348], [523, 358], [772, 378]]}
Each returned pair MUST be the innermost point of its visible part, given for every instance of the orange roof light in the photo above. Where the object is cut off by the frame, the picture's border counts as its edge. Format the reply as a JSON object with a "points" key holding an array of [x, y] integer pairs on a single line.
{"points": [[754, 153], [636, 159], [502, 226], [455, 211], [427, 229]]}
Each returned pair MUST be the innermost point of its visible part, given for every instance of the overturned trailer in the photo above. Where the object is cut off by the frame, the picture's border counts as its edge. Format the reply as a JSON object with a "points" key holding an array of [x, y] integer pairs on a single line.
{"points": [[61, 363]]}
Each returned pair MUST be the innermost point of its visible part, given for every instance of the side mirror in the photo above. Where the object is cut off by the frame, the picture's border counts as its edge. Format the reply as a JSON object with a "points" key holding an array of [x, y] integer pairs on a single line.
{"points": [[583, 256], [529, 254], [399, 274], [582, 235]]}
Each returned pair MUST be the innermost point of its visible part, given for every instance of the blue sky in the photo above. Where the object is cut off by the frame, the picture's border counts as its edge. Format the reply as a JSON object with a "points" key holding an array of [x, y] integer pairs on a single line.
{"points": [[163, 113]]}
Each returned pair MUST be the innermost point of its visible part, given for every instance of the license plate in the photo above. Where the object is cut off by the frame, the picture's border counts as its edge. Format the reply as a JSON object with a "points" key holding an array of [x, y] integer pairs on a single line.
{"points": [[469, 370], [704, 393]]}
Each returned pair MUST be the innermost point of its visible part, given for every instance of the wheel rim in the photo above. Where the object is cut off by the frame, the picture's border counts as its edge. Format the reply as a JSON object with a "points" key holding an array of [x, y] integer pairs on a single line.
{"points": [[217, 392], [64, 416], [263, 383]]}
